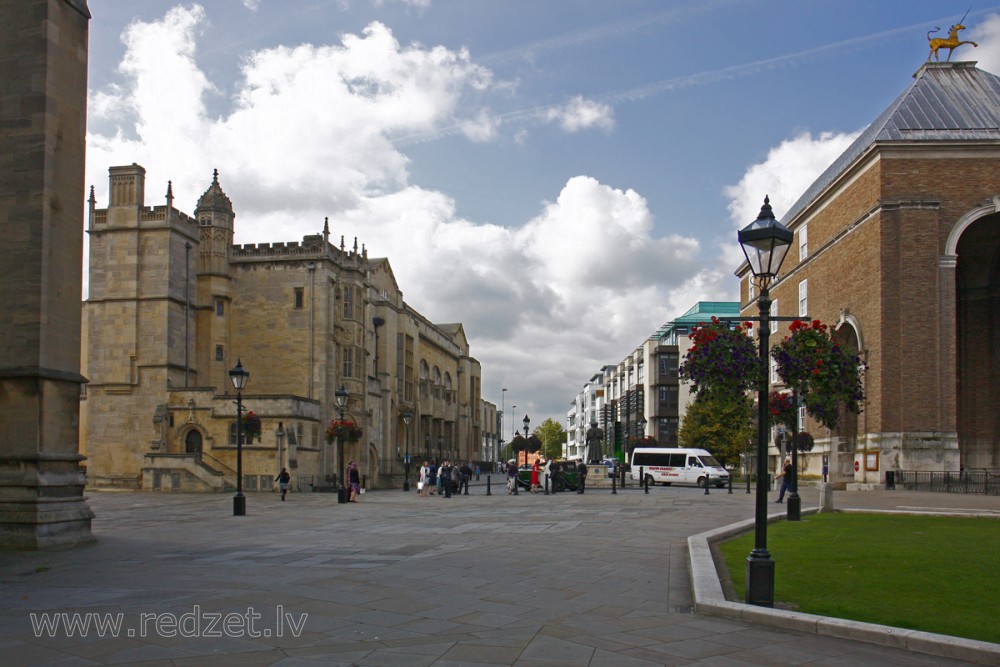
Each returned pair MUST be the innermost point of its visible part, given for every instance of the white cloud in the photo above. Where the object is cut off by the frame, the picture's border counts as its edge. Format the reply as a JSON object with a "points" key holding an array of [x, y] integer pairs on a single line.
{"points": [[789, 169], [311, 135], [987, 35], [252, 5], [581, 114]]}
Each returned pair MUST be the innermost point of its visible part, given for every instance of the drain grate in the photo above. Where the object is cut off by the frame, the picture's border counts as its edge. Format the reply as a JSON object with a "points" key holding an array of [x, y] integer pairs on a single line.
{"points": [[684, 609]]}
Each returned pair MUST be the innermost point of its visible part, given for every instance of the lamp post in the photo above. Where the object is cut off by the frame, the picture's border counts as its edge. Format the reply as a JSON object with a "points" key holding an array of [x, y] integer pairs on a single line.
{"points": [[794, 500], [765, 241], [407, 418], [526, 421], [279, 435], [239, 376], [341, 395], [427, 445], [503, 412], [440, 449]]}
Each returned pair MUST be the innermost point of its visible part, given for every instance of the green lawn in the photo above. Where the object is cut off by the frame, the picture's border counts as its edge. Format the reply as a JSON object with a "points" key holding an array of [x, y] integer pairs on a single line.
{"points": [[937, 574]]}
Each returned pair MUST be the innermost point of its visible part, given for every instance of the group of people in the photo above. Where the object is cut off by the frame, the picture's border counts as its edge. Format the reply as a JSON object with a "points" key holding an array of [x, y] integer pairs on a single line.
{"points": [[442, 479]]}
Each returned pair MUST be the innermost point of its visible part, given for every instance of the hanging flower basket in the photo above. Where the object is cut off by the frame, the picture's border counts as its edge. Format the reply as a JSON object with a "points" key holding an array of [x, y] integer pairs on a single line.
{"points": [[251, 427], [346, 430], [723, 359]]}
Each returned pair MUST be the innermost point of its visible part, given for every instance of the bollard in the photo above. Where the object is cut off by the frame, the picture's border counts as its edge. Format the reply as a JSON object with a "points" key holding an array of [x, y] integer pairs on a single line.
{"points": [[730, 485], [515, 485], [645, 480], [614, 480], [488, 486], [708, 483]]}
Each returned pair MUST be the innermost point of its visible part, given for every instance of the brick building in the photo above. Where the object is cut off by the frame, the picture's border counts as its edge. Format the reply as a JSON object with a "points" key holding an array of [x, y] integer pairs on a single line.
{"points": [[897, 245], [173, 305]]}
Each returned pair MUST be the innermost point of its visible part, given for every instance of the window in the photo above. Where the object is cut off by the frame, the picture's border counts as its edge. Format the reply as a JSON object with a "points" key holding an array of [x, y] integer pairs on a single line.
{"points": [[668, 395], [774, 313], [348, 366], [220, 308], [293, 435], [299, 296], [774, 370], [803, 242], [348, 302], [803, 298], [219, 353], [668, 431], [408, 379], [751, 291], [668, 365]]}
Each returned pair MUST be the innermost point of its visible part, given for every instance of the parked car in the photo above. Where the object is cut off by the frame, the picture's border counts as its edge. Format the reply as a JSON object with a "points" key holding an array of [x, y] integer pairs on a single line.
{"points": [[564, 477]]}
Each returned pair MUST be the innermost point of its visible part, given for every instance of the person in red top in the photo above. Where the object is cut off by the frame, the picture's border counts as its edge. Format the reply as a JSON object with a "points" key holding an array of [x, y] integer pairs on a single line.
{"points": [[535, 469]]}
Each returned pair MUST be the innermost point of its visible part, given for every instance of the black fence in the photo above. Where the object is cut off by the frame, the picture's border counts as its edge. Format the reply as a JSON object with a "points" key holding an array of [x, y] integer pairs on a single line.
{"points": [[979, 480]]}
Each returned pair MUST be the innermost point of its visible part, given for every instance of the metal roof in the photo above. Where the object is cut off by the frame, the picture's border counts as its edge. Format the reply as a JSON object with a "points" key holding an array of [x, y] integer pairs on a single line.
{"points": [[947, 102]]}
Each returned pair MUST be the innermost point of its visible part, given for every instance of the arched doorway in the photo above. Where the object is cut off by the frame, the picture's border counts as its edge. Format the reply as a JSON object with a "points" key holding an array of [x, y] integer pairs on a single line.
{"points": [[192, 442], [977, 286], [847, 437]]}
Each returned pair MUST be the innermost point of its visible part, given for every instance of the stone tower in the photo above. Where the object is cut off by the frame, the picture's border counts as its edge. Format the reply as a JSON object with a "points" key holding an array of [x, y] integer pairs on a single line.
{"points": [[43, 54], [215, 217]]}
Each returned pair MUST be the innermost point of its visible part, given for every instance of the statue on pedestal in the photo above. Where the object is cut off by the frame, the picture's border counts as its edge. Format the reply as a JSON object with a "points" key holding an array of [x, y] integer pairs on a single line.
{"points": [[595, 436]]}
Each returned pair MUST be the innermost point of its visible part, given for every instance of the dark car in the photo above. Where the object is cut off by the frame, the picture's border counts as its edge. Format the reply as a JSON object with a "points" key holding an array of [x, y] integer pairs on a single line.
{"points": [[564, 477]]}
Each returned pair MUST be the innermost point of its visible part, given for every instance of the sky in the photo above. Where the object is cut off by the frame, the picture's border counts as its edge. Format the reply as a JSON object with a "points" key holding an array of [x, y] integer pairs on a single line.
{"points": [[561, 177]]}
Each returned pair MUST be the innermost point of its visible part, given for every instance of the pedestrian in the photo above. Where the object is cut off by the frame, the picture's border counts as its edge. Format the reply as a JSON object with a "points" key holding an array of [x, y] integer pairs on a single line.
{"points": [[786, 478], [465, 474], [535, 470], [425, 473], [511, 479], [477, 472], [445, 475], [581, 476], [432, 478], [547, 475], [283, 479], [354, 478]]}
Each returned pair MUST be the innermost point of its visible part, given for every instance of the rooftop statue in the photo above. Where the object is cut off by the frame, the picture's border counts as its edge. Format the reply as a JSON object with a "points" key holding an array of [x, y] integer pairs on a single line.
{"points": [[951, 43]]}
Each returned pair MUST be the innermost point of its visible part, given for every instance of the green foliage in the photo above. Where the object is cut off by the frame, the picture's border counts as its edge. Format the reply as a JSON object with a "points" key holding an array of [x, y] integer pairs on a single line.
{"points": [[553, 437], [850, 566], [721, 423]]}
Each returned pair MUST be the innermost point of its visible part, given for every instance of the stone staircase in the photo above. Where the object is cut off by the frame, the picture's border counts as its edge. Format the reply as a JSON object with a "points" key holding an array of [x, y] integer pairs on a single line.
{"points": [[186, 473]]}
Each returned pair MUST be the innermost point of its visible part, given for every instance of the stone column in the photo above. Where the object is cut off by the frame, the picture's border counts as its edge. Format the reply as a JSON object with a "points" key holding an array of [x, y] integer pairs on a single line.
{"points": [[43, 111]]}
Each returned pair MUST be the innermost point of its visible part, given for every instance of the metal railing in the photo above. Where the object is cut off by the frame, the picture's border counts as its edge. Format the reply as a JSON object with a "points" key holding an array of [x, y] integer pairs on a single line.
{"points": [[978, 480]]}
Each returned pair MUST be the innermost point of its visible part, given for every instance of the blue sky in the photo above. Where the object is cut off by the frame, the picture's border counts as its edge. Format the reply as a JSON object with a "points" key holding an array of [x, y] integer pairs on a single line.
{"points": [[563, 177]]}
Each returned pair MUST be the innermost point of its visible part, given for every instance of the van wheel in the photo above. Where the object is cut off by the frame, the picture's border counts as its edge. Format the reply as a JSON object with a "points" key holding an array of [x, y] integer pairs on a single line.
{"points": [[650, 481], [702, 482]]}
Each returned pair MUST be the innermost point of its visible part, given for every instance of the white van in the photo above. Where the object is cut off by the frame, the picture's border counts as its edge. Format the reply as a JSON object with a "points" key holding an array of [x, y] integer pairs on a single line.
{"points": [[672, 465]]}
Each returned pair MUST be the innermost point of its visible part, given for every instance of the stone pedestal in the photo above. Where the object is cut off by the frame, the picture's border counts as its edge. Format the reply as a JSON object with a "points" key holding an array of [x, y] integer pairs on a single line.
{"points": [[825, 497], [43, 52]]}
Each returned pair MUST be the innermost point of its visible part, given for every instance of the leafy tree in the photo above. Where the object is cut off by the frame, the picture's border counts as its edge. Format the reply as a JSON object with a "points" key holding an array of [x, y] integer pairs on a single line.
{"points": [[722, 423], [827, 377], [553, 437], [517, 445]]}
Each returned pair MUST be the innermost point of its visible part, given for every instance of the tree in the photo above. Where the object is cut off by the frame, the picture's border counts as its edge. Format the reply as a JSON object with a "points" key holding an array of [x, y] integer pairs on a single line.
{"points": [[517, 445], [553, 437], [722, 423], [826, 377]]}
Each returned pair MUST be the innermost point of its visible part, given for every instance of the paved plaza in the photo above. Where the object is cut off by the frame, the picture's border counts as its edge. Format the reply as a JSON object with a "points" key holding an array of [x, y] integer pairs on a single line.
{"points": [[396, 579]]}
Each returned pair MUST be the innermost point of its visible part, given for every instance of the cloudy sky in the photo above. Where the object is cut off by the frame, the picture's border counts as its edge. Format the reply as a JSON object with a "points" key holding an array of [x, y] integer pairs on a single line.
{"points": [[562, 177]]}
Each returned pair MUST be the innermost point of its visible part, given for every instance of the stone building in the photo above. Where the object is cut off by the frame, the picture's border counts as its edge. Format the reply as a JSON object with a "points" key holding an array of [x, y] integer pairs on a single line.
{"points": [[897, 246], [174, 305]]}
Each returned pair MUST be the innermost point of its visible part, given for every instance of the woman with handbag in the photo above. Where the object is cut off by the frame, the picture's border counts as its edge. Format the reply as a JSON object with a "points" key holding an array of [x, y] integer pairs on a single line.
{"points": [[422, 480]]}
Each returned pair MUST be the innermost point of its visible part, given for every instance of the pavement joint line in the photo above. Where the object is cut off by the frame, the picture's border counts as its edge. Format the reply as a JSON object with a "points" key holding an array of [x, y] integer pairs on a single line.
{"points": [[710, 600]]}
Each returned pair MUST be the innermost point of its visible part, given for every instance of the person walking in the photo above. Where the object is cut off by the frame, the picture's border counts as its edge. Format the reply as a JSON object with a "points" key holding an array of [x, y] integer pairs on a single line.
{"points": [[422, 481], [283, 479], [581, 475], [465, 474], [477, 473], [444, 477], [354, 477], [535, 469], [786, 479], [547, 478], [511, 479]]}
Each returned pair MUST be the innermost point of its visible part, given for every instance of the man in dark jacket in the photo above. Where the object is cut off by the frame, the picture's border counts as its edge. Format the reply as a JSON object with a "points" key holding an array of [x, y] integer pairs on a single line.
{"points": [[446, 476], [466, 474], [581, 473]]}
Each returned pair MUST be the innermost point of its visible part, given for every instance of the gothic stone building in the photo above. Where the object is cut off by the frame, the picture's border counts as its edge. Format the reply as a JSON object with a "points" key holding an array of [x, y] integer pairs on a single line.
{"points": [[173, 305], [897, 245]]}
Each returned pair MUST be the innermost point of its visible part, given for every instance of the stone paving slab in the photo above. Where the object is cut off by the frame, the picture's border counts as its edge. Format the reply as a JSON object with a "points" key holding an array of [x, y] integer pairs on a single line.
{"points": [[396, 579]]}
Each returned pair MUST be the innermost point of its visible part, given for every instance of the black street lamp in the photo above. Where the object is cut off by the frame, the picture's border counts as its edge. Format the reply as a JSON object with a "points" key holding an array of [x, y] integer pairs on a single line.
{"points": [[341, 395], [239, 376], [440, 446], [407, 418], [427, 445], [765, 242]]}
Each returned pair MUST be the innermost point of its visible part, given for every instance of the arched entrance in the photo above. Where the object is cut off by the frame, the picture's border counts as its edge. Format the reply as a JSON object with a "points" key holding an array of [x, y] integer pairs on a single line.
{"points": [[846, 437], [192, 442], [977, 287]]}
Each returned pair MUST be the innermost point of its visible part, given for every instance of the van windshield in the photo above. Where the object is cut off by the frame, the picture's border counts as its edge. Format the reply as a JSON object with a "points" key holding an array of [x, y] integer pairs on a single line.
{"points": [[710, 461]]}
